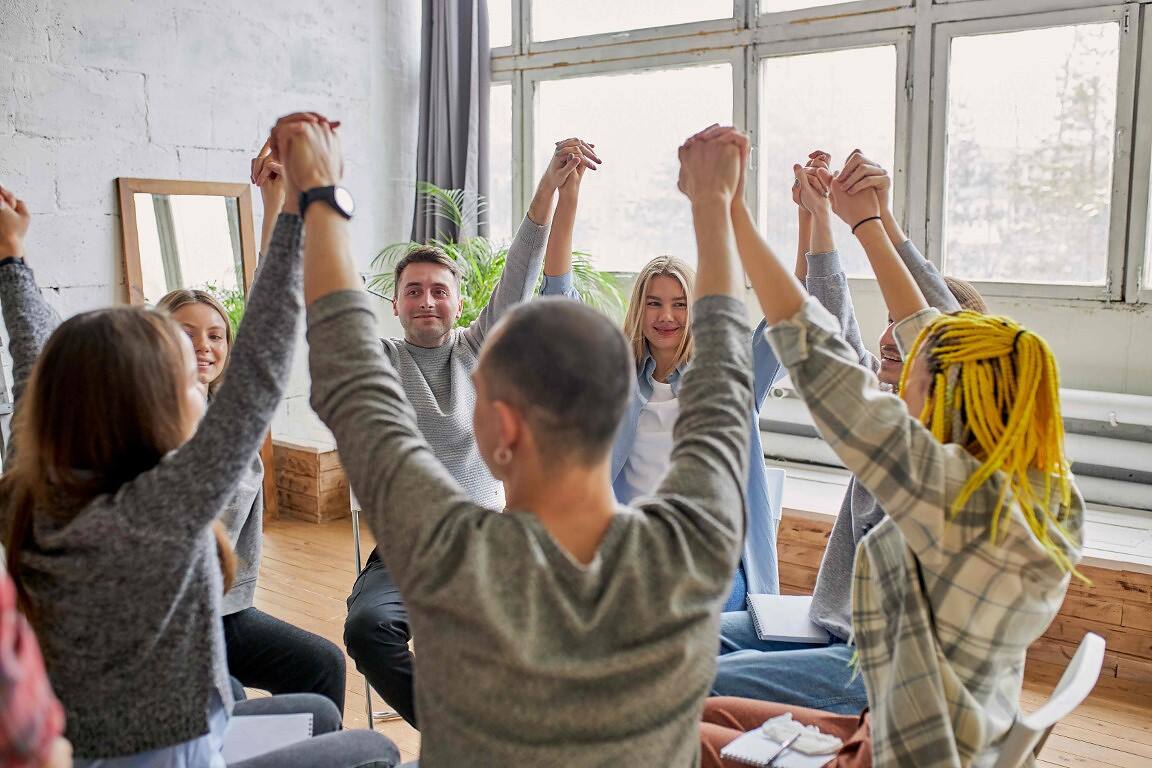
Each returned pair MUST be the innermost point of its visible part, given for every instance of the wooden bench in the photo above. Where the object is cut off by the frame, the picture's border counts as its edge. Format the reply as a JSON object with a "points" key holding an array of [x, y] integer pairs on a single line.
{"points": [[310, 481]]}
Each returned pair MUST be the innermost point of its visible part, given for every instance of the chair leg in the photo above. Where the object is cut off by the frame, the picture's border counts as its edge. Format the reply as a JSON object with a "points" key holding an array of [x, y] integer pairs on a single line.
{"points": [[384, 714]]}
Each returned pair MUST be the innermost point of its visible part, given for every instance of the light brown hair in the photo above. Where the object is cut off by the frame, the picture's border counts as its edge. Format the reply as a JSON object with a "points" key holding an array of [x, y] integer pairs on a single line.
{"points": [[103, 405], [182, 297], [661, 266]]}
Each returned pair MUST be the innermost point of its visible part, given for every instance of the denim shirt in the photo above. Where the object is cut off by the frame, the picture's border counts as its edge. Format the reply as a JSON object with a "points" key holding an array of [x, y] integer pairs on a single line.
{"points": [[765, 486]]}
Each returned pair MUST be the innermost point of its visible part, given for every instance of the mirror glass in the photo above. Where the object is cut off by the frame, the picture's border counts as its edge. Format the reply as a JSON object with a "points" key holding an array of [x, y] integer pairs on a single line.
{"points": [[189, 241]]}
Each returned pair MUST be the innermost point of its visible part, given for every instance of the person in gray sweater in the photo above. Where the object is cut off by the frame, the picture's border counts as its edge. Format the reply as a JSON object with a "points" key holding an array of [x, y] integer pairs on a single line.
{"points": [[435, 361], [821, 676], [263, 651], [569, 630], [109, 501]]}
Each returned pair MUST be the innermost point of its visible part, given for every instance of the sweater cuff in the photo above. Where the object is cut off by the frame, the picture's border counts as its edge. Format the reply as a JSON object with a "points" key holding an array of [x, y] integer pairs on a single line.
{"points": [[794, 338], [530, 234], [560, 285], [824, 264]]}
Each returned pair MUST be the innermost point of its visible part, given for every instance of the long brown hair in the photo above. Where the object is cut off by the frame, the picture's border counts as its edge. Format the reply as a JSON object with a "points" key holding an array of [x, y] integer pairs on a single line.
{"points": [[661, 266], [182, 297], [103, 405]]}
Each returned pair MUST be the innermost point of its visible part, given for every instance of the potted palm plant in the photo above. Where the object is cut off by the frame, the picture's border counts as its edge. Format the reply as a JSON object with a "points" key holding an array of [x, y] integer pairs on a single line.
{"points": [[481, 261]]}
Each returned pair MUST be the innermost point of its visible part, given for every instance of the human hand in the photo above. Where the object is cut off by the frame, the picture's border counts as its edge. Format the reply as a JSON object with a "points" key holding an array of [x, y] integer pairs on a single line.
{"points": [[588, 159], [711, 164], [852, 209], [14, 221], [816, 160], [809, 191], [268, 175], [307, 145], [860, 173]]}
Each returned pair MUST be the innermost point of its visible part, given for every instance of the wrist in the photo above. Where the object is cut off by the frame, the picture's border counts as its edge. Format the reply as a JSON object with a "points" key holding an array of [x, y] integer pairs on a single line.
{"points": [[709, 201], [290, 203], [12, 247], [869, 229]]}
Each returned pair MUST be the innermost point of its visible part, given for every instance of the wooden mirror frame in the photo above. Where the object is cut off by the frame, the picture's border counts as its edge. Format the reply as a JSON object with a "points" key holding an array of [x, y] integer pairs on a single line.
{"points": [[134, 274]]}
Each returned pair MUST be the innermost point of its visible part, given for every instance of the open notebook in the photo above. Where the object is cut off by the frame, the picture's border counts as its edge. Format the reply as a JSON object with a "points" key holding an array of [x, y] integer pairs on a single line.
{"points": [[254, 735], [784, 618], [754, 748]]}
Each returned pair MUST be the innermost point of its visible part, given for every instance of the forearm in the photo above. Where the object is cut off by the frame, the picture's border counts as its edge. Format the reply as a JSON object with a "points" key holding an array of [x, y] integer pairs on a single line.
{"points": [[273, 204], [892, 227], [719, 274], [821, 240], [901, 294], [558, 255], [28, 318], [328, 265], [540, 209], [779, 292], [803, 242]]}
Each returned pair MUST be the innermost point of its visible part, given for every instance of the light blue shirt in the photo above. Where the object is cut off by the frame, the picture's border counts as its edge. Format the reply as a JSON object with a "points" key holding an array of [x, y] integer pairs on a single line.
{"points": [[764, 493]]}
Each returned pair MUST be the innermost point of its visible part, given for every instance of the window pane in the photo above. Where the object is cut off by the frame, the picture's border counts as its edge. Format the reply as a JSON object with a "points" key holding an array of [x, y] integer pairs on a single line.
{"points": [[630, 209], [555, 19], [499, 23], [1030, 123], [500, 162], [797, 117]]}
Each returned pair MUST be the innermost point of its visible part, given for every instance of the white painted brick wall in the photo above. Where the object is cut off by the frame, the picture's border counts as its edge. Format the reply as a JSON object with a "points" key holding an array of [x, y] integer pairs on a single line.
{"points": [[95, 89]]}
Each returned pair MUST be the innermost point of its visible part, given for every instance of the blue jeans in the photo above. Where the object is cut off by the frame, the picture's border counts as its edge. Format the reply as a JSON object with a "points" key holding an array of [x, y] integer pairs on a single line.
{"points": [[805, 675]]}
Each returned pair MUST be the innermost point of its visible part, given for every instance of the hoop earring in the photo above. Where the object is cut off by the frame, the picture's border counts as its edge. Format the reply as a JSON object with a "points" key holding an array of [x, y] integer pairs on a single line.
{"points": [[502, 456]]}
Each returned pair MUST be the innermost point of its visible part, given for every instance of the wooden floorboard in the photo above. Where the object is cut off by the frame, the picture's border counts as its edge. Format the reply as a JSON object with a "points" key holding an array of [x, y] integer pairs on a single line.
{"points": [[308, 569]]}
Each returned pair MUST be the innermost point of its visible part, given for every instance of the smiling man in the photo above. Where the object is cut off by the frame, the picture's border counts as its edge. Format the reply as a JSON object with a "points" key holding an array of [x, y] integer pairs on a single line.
{"points": [[435, 360]]}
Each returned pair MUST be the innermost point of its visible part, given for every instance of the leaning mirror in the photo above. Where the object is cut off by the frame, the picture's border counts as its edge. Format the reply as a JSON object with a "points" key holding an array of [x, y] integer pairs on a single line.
{"points": [[191, 234]]}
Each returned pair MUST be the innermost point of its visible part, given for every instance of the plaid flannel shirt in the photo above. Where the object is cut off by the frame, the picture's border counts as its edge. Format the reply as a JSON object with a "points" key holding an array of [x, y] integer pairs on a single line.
{"points": [[941, 615], [30, 716]]}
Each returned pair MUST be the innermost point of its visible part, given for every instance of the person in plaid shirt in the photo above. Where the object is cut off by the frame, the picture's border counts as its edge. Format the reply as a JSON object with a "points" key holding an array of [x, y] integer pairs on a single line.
{"points": [[31, 720], [984, 521]]}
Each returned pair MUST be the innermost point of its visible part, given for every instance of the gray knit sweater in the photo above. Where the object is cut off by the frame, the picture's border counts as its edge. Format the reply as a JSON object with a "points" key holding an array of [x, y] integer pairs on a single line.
{"points": [[128, 588], [859, 512], [527, 657], [437, 381]]}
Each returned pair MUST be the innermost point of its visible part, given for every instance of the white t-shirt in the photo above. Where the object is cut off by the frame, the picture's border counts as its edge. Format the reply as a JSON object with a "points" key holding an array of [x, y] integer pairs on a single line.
{"points": [[652, 450]]}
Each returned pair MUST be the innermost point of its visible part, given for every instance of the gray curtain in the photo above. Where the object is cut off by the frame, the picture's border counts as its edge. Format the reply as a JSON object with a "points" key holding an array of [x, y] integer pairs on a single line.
{"points": [[453, 142]]}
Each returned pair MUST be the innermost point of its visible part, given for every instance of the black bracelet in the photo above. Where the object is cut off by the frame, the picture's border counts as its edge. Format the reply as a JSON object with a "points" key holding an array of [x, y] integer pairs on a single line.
{"points": [[865, 221], [11, 260]]}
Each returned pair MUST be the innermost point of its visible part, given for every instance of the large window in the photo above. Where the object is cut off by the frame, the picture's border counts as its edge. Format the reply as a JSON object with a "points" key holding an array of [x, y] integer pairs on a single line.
{"points": [[630, 209], [1011, 130], [1030, 131], [499, 215]]}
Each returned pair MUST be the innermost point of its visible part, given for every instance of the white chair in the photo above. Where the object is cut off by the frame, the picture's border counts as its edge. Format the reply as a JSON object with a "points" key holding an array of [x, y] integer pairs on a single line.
{"points": [[1028, 734], [383, 714]]}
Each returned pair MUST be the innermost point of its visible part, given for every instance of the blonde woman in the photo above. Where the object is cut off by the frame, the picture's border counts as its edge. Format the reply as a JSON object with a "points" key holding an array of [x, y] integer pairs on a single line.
{"points": [[660, 338]]}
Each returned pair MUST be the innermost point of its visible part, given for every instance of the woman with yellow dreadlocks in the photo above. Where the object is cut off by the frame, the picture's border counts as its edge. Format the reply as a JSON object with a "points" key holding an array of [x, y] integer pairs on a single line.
{"points": [[983, 524]]}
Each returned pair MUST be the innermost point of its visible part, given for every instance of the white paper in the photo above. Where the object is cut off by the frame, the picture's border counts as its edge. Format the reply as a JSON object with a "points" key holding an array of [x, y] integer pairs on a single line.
{"points": [[754, 748], [250, 736], [784, 618]]}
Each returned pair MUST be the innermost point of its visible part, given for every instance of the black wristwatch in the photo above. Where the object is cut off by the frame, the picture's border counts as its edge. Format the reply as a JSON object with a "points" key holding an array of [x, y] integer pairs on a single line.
{"points": [[338, 198]]}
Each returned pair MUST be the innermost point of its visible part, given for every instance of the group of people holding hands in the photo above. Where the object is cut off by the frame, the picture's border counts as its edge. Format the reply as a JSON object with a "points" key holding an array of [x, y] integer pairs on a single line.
{"points": [[569, 517]]}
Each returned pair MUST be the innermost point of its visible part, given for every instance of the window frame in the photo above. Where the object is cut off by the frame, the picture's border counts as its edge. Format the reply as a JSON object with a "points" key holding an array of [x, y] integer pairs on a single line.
{"points": [[921, 30], [944, 34]]}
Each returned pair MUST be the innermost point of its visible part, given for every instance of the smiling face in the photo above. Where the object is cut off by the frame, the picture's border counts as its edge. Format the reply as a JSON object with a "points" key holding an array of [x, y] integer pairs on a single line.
{"points": [[665, 318], [427, 303], [208, 332], [891, 363]]}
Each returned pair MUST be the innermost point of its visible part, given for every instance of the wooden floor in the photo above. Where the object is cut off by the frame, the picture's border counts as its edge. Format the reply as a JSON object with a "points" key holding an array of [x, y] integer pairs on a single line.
{"points": [[308, 570]]}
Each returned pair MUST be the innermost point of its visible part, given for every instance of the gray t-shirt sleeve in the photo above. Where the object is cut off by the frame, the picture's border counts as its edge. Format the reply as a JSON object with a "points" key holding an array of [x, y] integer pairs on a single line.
{"points": [[828, 284], [28, 318], [705, 482], [928, 278], [406, 493], [521, 273]]}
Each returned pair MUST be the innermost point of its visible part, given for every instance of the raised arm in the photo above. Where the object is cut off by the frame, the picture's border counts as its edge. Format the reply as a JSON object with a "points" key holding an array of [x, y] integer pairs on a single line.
{"points": [[709, 460], [526, 253], [28, 318], [405, 491], [268, 176], [861, 174]]}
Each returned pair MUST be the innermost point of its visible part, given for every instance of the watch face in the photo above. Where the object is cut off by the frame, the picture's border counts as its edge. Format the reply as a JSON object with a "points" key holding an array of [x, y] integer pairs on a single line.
{"points": [[344, 200]]}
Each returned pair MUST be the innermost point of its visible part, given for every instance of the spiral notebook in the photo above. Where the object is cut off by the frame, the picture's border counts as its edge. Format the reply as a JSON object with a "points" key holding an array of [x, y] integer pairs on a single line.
{"points": [[754, 748], [250, 736], [784, 618]]}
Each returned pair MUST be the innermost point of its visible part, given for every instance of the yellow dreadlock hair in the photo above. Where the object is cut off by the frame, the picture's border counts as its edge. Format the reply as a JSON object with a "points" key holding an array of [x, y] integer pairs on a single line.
{"points": [[996, 391]]}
